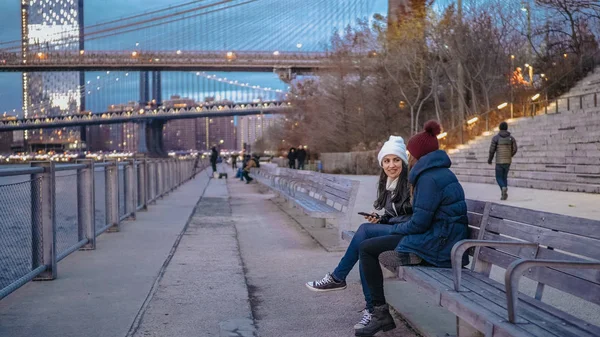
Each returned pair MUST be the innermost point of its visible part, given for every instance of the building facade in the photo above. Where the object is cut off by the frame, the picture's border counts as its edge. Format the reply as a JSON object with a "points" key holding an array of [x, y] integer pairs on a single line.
{"points": [[252, 128], [49, 27]]}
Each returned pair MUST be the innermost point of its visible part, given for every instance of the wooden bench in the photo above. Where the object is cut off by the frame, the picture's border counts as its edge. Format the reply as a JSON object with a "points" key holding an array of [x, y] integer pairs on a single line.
{"points": [[552, 250], [321, 196]]}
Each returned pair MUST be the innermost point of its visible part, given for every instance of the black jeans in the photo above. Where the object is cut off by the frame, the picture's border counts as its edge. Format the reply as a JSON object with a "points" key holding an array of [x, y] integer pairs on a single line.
{"points": [[246, 176], [369, 262], [502, 174], [214, 166]]}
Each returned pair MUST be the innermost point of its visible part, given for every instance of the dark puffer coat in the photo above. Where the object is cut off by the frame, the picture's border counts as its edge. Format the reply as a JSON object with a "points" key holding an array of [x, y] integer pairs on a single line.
{"points": [[439, 217]]}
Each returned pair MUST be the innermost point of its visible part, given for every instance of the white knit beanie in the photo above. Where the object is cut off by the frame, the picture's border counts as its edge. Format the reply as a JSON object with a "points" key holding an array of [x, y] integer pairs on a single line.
{"points": [[395, 145]]}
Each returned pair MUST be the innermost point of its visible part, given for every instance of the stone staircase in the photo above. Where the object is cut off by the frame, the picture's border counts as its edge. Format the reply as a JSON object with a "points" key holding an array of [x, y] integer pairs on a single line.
{"points": [[557, 151]]}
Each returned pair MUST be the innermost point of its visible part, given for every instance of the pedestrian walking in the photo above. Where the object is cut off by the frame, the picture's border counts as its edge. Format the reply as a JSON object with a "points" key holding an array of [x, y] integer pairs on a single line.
{"points": [[292, 158], [301, 156], [214, 155], [504, 146]]}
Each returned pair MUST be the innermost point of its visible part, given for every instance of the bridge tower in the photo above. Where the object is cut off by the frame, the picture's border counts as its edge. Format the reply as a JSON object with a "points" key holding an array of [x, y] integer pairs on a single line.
{"points": [[47, 27]]}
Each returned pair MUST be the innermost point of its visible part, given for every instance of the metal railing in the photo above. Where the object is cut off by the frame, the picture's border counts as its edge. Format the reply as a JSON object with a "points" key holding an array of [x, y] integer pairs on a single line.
{"points": [[545, 101], [50, 211], [489, 120]]}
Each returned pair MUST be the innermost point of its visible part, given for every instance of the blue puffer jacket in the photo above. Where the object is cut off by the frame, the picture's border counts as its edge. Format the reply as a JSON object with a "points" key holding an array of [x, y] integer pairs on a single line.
{"points": [[439, 211]]}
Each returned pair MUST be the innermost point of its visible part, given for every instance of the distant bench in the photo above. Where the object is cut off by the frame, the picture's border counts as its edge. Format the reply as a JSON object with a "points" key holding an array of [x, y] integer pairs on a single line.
{"points": [[553, 250], [320, 196]]}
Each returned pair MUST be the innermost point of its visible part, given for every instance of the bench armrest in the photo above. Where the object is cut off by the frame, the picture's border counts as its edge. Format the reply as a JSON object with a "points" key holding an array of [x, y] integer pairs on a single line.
{"points": [[516, 269], [461, 247]]}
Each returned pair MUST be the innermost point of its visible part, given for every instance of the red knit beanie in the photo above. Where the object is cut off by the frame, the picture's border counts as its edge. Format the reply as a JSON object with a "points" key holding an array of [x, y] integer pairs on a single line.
{"points": [[425, 141]]}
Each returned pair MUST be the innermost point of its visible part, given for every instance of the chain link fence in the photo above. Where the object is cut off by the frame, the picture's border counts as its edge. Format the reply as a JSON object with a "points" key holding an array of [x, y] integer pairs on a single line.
{"points": [[100, 200], [16, 242], [66, 211], [50, 211]]}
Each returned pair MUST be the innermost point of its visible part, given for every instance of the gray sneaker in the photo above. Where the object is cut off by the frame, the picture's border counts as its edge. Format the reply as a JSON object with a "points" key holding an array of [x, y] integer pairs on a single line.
{"points": [[327, 283], [364, 321]]}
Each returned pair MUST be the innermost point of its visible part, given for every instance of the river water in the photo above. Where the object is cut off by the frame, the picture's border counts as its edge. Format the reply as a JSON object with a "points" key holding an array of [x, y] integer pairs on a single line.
{"points": [[15, 218]]}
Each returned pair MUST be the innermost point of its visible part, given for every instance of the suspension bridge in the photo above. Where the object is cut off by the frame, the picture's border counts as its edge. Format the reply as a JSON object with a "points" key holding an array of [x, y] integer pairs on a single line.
{"points": [[73, 72]]}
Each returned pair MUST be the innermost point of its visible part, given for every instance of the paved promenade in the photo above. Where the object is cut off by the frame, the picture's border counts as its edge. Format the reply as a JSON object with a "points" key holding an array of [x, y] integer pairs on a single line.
{"points": [[219, 258], [214, 258]]}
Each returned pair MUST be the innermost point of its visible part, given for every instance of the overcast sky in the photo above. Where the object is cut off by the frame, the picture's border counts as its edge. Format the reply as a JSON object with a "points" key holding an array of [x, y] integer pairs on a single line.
{"points": [[98, 11]]}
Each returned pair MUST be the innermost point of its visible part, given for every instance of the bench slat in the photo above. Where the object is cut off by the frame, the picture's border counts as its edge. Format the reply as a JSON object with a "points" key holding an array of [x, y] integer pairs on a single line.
{"points": [[527, 300], [568, 224], [554, 278], [475, 206], [560, 240], [467, 310], [592, 275], [475, 294], [535, 315]]}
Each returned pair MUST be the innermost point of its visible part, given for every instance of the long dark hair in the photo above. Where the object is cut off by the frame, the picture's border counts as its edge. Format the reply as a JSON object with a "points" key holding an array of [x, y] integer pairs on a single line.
{"points": [[401, 193]]}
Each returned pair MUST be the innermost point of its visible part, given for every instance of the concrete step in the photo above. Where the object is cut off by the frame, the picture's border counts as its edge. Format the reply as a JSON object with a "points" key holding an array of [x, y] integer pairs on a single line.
{"points": [[578, 169], [538, 184], [560, 160], [533, 147], [532, 175], [528, 152]]}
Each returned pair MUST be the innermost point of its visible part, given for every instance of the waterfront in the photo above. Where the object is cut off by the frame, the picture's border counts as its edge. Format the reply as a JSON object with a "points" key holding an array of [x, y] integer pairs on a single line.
{"points": [[15, 219]]}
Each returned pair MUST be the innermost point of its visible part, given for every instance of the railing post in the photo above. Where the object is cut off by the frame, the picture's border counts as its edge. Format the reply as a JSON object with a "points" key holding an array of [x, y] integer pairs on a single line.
{"points": [[568, 103], [556, 105], [546, 104], [130, 188], [111, 174], [152, 180], [595, 100], [159, 178], [43, 229], [143, 183], [581, 102], [86, 204]]}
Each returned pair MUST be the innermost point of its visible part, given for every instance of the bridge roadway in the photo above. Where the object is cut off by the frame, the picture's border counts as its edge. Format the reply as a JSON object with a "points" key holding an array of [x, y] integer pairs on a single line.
{"points": [[94, 60], [114, 117]]}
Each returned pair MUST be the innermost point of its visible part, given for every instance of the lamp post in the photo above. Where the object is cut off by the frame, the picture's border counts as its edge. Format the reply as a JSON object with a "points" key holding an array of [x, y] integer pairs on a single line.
{"points": [[512, 85], [527, 9]]}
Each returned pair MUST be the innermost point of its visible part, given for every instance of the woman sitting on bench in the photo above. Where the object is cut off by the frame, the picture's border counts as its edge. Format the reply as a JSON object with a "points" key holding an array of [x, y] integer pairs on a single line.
{"points": [[438, 222], [393, 196]]}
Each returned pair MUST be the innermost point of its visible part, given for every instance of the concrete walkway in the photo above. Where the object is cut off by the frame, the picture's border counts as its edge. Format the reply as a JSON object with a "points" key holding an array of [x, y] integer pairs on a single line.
{"points": [[99, 293], [279, 257], [214, 258]]}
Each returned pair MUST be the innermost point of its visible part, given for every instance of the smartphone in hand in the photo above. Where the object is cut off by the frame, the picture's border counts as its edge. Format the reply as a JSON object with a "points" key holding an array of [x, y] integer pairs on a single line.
{"points": [[369, 214]]}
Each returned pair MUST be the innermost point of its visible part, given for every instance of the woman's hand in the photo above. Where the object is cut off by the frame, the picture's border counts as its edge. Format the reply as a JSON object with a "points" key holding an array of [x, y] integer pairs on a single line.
{"points": [[373, 218]]}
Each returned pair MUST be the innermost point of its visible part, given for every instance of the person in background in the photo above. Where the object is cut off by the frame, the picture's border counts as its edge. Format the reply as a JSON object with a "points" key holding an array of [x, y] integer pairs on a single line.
{"points": [[244, 163], [301, 156], [252, 162], [292, 158], [234, 158], [214, 155], [393, 197], [504, 146], [439, 220]]}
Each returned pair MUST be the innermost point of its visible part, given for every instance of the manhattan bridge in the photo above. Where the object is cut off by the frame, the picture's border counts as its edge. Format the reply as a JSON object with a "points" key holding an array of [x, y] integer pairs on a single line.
{"points": [[165, 63]]}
